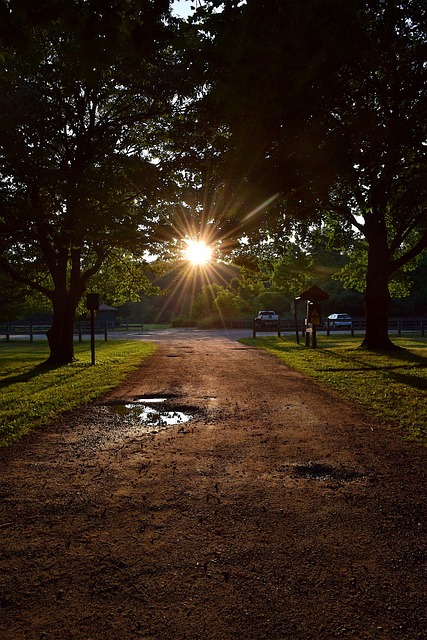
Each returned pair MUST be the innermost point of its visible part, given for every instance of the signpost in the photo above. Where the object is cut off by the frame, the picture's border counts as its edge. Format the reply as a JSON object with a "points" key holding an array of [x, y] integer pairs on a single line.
{"points": [[92, 304], [314, 295]]}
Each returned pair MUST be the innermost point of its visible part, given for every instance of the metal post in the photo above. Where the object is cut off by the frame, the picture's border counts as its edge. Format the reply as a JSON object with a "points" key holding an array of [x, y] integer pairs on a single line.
{"points": [[307, 333], [92, 336], [106, 331], [307, 337]]}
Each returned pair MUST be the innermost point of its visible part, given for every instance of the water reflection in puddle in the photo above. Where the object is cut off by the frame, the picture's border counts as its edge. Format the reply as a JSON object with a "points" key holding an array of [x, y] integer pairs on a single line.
{"points": [[142, 412]]}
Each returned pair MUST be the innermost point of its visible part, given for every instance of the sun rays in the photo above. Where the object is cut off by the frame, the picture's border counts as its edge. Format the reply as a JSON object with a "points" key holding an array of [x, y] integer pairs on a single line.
{"points": [[202, 235], [198, 252]]}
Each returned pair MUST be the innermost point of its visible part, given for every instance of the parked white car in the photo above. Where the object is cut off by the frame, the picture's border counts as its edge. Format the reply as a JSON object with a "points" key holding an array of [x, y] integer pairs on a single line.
{"points": [[339, 320], [267, 319]]}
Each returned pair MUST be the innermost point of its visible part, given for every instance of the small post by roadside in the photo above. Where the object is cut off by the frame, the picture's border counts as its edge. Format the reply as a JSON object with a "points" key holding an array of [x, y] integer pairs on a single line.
{"points": [[92, 304], [313, 319], [313, 296]]}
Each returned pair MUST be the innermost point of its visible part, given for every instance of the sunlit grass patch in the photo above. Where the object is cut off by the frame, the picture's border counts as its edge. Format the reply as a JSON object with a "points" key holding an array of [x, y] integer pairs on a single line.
{"points": [[33, 393], [391, 386]]}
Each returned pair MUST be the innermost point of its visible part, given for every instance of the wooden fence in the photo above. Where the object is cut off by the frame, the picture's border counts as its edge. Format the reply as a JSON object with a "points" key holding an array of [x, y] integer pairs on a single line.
{"points": [[28, 330]]}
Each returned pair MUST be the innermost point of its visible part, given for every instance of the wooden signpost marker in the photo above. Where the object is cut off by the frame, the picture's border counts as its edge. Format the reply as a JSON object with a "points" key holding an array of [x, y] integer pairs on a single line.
{"points": [[314, 295]]}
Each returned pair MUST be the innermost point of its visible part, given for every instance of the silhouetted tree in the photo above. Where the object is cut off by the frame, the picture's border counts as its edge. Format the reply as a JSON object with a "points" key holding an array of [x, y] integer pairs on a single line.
{"points": [[84, 90], [325, 103]]}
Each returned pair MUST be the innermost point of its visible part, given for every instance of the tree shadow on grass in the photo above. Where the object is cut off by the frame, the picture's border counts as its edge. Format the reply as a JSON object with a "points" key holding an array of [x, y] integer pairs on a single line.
{"points": [[409, 380], [412, 362], [43, 367]]}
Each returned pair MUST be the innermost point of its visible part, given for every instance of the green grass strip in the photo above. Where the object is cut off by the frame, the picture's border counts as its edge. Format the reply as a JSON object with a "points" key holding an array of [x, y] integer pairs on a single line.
{"points": [[32, 394], [391, 386]]}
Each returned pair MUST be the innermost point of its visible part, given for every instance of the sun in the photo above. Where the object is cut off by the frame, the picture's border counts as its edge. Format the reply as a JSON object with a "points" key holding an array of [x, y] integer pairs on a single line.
{"points": [[197, 252]]}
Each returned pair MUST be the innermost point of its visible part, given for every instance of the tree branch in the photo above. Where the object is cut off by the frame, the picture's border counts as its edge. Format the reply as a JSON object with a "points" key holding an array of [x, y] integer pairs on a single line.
{"points": [[410, 254]]}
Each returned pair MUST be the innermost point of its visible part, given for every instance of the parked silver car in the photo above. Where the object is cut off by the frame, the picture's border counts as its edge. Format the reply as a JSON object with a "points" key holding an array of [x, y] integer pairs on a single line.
{"points": [[339, 320]]}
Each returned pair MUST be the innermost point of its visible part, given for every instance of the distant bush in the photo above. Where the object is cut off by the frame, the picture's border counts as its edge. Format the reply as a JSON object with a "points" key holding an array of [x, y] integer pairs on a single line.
{"points": [[182, 321], [214, 321]]}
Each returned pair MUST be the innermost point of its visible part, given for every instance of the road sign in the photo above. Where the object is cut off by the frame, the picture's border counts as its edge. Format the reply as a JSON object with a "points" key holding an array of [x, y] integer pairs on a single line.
{"points": [[315, 317], [92, 301], [313, 314]]}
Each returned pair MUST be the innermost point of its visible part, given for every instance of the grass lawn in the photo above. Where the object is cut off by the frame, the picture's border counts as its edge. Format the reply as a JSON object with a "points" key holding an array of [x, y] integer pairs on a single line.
{"points": [[390, 386], [33, 393]]}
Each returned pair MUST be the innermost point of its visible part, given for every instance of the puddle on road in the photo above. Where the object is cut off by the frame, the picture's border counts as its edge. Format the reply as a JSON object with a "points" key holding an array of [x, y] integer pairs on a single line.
{"points": [[316, 471], [319, 471], [150, 413]]}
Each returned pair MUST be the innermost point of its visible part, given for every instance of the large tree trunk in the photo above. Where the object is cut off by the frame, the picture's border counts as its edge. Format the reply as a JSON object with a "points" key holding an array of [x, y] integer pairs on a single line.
{"points": [[377, 297], [69, 287], [61, 333]]}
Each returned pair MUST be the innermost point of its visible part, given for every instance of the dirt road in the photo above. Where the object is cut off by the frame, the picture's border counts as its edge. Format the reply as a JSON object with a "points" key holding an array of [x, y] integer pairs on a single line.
{"points": [[267, 509]]}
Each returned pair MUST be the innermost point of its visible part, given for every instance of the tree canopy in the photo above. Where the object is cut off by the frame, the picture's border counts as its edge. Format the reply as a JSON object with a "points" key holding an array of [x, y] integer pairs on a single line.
{"points": [[124, 129], [325, 104], [82, 88]]}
